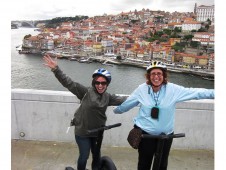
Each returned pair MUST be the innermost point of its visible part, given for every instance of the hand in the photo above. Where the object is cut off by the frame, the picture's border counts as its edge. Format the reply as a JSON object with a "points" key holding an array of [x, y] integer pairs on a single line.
{"points": [[49, 62]]}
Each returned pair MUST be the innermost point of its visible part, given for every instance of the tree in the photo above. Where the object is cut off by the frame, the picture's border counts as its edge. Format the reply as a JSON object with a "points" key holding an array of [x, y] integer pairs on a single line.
{"points": [[167, 31], [202, 30], [188, 37], [53, 23], [194, 44], [209, 21], [27, 36], [159, 33], [177, 29], [207, 27], [178, 47]]}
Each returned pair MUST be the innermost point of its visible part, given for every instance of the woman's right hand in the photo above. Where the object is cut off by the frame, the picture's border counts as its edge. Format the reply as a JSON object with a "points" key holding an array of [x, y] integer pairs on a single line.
{"points": [[49, 62]]}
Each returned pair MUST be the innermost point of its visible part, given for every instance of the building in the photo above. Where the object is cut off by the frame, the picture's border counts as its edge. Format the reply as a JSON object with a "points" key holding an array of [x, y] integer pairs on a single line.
{"points": [[205, 38], [191, 25], [203, 13]]}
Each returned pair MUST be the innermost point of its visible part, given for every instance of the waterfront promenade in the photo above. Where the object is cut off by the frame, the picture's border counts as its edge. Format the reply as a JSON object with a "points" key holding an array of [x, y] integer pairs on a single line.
{"points": [[204, 73]]}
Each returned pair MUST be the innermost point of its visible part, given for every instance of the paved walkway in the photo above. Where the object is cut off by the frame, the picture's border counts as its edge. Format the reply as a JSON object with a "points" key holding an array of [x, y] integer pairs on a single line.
{"points": [[36, 155]]}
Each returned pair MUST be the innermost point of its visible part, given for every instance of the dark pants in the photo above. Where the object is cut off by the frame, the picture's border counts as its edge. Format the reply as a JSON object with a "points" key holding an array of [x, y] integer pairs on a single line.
{"points": [[146, 151], [85, 145]]}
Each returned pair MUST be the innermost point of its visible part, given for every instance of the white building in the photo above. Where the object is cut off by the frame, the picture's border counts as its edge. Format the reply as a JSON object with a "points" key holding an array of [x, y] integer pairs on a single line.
{"points": [[203, 13], [191, 25], [204, 38]]}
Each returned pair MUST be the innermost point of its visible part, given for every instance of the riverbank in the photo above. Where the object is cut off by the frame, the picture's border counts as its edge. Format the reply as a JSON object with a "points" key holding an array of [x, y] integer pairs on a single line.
{"points": [[205, 74]]}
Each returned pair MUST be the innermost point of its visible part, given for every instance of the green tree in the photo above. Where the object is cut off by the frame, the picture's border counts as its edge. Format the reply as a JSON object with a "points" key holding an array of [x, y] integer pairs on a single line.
{"points": [[194, 44], [202, 30], [188, 37], [27, 36], [177, 47], [167, 31], [177, 29]]}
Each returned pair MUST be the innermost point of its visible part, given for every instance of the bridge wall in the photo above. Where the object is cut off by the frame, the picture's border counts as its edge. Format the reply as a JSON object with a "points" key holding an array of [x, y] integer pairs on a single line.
{"points": [[45, 116]]}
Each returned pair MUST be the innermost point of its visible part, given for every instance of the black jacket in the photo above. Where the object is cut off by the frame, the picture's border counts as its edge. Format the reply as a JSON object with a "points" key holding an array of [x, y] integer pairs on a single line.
{"points": [[91, 112]]}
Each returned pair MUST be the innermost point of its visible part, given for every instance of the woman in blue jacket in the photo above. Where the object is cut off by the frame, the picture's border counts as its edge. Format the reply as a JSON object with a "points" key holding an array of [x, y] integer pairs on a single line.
{"points": [[157, 99]]}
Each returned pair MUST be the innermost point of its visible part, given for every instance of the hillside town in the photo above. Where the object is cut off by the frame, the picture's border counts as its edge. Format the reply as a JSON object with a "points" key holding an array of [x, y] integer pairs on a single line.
{"points": [[185, 40]]}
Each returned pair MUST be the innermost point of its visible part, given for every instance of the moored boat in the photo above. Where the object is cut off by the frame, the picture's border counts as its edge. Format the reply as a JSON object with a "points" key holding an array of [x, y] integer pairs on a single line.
{"points": [[84, 60]]}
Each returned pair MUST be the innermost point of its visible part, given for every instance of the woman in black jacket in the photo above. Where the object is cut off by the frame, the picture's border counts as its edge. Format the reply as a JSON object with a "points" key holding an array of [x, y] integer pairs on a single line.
{"points": [[91, 112]]}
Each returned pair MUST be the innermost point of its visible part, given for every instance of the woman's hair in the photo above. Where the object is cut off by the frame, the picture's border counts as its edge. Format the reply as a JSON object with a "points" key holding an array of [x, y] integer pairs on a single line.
{"points": [[165, 76]]}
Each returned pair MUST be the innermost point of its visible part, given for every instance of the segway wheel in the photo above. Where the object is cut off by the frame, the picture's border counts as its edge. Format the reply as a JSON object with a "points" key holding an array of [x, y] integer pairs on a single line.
{"points": [[107, 163], [69, 168]]}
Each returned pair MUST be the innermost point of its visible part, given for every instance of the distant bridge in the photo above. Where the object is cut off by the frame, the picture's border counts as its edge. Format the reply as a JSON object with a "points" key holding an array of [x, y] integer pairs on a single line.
{"points": [[30, 24]]}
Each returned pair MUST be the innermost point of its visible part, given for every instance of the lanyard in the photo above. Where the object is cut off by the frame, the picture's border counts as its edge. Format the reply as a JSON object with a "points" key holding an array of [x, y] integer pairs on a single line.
{"points": [[156, 96]]}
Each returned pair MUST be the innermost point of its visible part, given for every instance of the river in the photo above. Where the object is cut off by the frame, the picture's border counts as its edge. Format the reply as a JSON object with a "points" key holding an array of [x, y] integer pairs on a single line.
{"points": [[28, 72]]}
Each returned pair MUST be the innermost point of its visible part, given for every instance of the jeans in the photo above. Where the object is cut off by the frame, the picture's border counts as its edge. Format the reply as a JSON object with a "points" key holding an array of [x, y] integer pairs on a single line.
{"points": [[85, 144]]}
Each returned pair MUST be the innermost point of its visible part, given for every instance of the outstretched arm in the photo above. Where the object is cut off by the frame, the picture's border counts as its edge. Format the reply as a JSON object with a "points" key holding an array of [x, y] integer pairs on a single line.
{"points": [[128, 104], [74, 87], [49, 62]]}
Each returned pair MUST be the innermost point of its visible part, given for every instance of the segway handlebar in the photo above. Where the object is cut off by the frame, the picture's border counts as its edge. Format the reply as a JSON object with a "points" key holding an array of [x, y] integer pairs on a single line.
{"points": [[104, 128], [163, 136]]}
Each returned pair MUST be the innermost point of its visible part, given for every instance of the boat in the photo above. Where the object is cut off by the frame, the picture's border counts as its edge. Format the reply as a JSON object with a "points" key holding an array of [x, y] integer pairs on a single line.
{"points": [[66, 55], [24, 51], [108, 64], [73, 59], [208, 78], [176, 70], [53, 54], [84, 60]]}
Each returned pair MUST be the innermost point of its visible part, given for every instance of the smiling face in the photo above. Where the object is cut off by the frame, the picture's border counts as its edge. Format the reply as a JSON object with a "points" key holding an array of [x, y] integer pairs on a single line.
{"points": [[156, 77], [100, 84]]}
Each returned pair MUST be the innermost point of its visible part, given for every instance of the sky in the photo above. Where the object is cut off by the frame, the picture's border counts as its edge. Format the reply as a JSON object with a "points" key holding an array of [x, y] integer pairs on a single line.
{"points": [[48, 9]]}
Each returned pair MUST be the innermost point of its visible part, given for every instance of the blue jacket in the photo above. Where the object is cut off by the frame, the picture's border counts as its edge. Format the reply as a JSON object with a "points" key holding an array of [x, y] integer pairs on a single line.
{"points": [[168, 96]]}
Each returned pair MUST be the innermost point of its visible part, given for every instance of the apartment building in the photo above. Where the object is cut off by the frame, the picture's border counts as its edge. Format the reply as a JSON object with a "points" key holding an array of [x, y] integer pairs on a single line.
{"points": [[204, 38], [191, 25]]}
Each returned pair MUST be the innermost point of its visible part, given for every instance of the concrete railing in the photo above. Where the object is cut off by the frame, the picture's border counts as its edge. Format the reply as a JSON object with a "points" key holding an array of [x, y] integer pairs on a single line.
{"points": [[45, 116]]}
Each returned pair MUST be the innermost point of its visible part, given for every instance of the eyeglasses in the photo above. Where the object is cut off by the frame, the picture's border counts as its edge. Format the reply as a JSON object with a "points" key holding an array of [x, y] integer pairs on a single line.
{"points": [[158, 74], [103, 83]]}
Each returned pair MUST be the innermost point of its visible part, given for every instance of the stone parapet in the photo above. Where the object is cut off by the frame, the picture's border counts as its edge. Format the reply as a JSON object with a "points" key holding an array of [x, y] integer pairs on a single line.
{"points": [[45, 115]]}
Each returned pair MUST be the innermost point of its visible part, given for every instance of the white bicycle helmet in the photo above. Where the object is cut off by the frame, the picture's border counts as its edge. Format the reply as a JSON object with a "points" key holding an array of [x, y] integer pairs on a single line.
{"points": [[103, 72], [156, 64]]}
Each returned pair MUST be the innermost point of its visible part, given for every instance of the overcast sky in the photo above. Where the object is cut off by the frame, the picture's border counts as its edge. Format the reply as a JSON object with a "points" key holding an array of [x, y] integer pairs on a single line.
{"points": [[48, 9]]}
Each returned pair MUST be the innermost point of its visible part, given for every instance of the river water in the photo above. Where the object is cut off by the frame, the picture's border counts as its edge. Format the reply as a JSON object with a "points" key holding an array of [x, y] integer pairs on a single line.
{"points": [[28, 71]]}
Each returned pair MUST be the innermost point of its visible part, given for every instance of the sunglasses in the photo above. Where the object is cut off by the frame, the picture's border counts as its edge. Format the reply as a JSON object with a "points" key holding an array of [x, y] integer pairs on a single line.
{"points": [[103, 83]]}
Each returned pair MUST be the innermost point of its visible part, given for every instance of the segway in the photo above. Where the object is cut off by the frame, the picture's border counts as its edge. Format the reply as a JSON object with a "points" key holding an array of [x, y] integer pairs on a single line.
{"points": [[106, 162], [161, 139]]}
